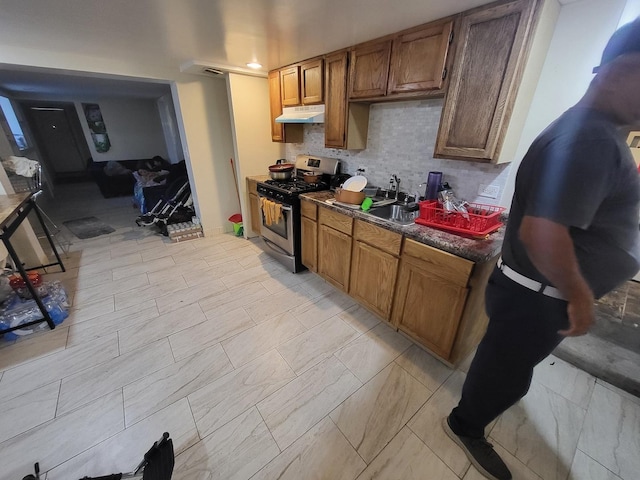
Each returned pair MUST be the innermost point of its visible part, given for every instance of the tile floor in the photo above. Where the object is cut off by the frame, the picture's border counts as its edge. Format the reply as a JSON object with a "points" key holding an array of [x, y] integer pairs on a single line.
{"points": [[258, 373]]}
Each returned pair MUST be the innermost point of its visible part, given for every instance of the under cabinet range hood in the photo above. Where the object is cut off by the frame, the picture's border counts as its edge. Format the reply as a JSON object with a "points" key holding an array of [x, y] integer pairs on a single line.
{"points": [[305, 114]]}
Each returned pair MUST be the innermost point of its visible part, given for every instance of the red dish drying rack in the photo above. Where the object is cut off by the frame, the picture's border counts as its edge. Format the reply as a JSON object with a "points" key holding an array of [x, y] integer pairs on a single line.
{"points": [[480, 220]]}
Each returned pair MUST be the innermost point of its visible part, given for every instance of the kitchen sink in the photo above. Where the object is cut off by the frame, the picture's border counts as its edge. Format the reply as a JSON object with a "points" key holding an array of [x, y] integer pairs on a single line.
{"points": [[396, 212]]}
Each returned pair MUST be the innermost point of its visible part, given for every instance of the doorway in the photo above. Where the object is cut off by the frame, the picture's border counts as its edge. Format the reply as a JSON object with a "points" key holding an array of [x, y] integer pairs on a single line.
{"points": [[58, 134]]}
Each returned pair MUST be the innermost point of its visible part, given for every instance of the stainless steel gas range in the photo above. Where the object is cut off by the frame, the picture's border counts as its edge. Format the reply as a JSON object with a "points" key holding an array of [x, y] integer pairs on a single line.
{"points": [[281, 238]]}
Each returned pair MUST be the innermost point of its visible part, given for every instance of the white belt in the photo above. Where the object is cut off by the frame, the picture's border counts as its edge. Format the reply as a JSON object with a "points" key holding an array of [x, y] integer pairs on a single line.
{"points": [[528, 282]]}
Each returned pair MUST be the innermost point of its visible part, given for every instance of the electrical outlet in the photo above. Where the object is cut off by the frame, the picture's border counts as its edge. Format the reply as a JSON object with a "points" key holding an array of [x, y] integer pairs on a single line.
{"points": [[489, 191]]}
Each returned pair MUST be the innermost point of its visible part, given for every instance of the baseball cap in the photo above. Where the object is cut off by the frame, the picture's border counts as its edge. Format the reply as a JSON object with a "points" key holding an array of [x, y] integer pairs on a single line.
{"points": [[624, 40]]}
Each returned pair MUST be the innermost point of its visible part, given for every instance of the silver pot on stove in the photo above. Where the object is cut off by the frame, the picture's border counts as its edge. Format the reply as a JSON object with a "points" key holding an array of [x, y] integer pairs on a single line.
{"points": [[281, 170]]}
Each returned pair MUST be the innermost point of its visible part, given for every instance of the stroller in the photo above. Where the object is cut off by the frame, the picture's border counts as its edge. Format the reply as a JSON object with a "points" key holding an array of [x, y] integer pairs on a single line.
{"points": [[157, 464], [177, 196]]}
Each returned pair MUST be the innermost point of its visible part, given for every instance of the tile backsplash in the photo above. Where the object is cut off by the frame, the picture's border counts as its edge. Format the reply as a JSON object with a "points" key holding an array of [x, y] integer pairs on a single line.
{"points": [[401, 141]]}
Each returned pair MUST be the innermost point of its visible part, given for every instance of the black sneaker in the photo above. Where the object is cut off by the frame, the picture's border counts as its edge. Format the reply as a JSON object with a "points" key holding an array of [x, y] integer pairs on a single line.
{"points": [[480, 453]]}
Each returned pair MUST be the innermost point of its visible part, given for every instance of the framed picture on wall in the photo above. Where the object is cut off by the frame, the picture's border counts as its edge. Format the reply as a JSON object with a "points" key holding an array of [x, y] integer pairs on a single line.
{"points": [[99, 134]]}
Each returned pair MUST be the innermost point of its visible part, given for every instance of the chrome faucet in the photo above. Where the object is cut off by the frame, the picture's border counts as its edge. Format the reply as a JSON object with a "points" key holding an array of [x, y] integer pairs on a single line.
{"points": [[415, 195], [394, 184]]}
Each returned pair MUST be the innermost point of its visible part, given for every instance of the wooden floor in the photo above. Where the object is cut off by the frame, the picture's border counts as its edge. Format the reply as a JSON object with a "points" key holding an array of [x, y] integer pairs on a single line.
{"points": [[259, 373]]}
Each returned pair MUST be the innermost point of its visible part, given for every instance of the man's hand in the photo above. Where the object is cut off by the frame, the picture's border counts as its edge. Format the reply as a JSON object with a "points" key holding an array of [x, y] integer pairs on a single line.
{"points": [[581, 316], [550, 249]]}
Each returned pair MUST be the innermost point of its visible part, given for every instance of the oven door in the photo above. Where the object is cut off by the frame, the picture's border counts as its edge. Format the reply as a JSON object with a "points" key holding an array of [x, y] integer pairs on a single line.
{"points": [[280, 233]]}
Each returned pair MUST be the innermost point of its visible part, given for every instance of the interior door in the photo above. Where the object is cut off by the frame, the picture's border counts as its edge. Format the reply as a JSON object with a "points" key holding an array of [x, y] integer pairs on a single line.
{"points": [[59, 143]]}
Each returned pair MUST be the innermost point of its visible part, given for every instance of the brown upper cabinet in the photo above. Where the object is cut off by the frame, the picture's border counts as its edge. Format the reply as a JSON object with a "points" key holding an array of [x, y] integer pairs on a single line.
{"points": [[345, 124], [492, 47], [335, 106], [279, 131], [301, 84], [290, 86], [369, 70], [478, 72], [275, 104], [311, 82], [411, 62], [419, 58]]}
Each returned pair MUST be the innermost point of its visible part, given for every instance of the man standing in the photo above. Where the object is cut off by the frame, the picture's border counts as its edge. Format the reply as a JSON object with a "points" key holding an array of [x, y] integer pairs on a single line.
{"points": [[572, 236]]}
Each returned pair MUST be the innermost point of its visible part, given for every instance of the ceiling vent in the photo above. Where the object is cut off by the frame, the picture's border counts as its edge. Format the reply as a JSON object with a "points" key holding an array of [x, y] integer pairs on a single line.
{"points": [[218, 70], [212, 71]]}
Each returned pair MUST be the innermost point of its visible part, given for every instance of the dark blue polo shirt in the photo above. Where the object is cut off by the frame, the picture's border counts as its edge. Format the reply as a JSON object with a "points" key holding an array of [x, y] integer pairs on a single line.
{"points": [[580, 173]]}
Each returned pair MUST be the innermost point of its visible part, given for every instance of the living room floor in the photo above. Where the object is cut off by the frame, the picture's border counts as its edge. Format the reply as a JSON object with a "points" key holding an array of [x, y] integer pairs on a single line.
{"points": [[259, 373]]}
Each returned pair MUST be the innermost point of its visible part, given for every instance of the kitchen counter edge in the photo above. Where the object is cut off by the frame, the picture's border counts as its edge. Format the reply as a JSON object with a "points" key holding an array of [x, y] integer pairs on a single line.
{"points": [[476, 250]]}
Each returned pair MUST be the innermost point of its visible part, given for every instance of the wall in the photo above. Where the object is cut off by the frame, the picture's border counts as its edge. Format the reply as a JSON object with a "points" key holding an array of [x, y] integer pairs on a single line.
{"points": [[134, 128], [201, 108], [254, 150], [401, 141], [24, 240], [203, 116], [6, 148], [581, 33], [170, 129], [401, 137]]}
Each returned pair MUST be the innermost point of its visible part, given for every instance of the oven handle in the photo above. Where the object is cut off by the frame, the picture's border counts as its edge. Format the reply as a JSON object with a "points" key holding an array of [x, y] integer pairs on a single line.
{"points": [[274, 247], [282, 205]]}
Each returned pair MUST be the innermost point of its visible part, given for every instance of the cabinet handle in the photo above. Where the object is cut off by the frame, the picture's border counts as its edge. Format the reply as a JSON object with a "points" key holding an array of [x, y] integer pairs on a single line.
{"points": [[444, 73]]}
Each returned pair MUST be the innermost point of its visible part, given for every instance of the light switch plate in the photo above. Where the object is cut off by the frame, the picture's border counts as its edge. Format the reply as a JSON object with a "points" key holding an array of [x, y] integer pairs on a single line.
{"points": [[489, 191]]}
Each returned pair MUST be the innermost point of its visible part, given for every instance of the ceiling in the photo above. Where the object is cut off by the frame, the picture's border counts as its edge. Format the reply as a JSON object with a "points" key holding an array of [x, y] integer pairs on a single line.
{"points": [[50, 84], [168, 34]]}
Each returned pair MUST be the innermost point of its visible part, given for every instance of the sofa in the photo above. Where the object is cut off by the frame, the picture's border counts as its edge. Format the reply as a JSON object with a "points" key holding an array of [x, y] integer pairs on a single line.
{"points": [[115, 178], [111, 185]]}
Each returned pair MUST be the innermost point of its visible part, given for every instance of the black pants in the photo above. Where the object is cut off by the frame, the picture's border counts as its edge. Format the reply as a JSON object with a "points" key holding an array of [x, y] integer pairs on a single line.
{"points": [[522, 331]]}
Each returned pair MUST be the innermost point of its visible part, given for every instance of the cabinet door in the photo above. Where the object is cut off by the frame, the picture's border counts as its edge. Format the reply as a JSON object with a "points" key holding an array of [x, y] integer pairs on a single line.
{"points": [[428, 307], [334, 256], [335, 115], [490, 57], [280, 132], [256, 219], [311, 82], [309, 244], [373, 278], [277, 129], [369, 70], [289, 87], [418, 59]]}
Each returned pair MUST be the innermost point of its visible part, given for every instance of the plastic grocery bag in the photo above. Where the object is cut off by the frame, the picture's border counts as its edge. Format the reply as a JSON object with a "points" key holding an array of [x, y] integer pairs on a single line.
{"points": [[16, 311]]}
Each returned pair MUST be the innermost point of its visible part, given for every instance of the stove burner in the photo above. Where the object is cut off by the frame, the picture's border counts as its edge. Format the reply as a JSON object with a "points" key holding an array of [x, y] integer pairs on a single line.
{"points": [[296, 186]]}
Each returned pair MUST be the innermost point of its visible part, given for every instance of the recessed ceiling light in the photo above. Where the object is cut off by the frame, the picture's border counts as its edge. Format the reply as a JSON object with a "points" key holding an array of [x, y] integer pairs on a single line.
{"points": [[254, 65]]}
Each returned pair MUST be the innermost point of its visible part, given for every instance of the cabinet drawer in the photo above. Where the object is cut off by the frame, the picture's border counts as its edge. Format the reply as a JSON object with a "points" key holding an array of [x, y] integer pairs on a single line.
{"points": [[309, 209], [445, 265], [336, 220], [375, 236], [252, 186]]}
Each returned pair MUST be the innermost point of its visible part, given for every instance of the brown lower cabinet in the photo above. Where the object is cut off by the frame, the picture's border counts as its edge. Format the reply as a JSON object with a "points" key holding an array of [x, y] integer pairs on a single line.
{"points": [[334, 256], [309, 232], [373, 277], [334, 247], [434, 297], [254, 206], [428, 303], [374, 267]]}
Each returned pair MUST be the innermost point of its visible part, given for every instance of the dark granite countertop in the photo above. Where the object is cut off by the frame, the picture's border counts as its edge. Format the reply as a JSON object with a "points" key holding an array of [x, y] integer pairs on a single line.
{"points": [[476, 250]]}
